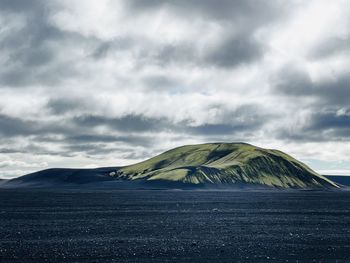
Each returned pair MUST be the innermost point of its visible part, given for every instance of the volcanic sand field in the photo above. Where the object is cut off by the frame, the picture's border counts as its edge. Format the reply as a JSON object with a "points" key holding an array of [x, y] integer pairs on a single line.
{"points": [[174, 226]]}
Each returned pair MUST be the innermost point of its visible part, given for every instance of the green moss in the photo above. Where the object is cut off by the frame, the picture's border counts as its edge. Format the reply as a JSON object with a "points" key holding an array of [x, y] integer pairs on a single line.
{"points": [[172, 175], [226, 163]]}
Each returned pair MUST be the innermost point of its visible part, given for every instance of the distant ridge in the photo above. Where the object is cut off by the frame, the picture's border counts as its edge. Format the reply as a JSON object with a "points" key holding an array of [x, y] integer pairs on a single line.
{"points": [[340, 179], [211, 165]]}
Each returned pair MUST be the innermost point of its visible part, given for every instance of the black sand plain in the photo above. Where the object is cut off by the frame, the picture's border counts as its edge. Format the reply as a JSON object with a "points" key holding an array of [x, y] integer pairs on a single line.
{"points": [[174, 226]]}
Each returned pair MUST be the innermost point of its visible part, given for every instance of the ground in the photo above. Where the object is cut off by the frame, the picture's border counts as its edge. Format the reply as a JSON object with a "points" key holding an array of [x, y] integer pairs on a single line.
{"points": [[174, 226]]}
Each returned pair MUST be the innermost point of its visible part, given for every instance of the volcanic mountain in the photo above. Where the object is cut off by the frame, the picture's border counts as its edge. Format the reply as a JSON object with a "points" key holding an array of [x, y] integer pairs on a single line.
{"points": [[226, 164], [212, 165]]}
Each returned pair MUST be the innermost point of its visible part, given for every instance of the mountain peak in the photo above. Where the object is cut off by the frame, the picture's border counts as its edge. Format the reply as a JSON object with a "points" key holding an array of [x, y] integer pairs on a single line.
{"points": [[226, 164], [209, 165]]}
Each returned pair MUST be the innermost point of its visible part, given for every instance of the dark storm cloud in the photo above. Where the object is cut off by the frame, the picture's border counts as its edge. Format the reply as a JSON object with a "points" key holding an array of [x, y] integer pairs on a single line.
{"points": [[229, 51], [78, 134], [128, 123], [99, 151], [33, 58], [229, 128], [297, 83], [219, 9], [171, 54], [94, 138], [72, 132], [244, 17], [83, 138], [299, 135], [63, 105], [19, 5], [321, 127], [244, 118], [138, 52], [215, 129], [235, 51], [42, 129], [14, 126], [69, 138], [89, 149], [331, 47], [104, 48], [34, 50], [24, 44], [90, 144], [293, 82], [24, 76], [158, 83], [8, 150], [35, 145], [330, 120], [10, 126]]}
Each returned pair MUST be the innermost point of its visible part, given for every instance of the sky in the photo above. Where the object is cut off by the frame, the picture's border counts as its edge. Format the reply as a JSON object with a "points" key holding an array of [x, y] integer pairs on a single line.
{"points": [[94, 83]]}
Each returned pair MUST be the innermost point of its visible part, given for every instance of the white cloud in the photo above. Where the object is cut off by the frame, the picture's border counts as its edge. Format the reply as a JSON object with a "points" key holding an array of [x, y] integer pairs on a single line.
{"points": [[169, 63], [15, 163]]}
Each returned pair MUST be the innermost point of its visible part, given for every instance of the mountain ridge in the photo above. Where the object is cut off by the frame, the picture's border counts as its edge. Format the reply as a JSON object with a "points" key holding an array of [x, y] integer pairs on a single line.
{"points": [[226, 163], [209, 165]]}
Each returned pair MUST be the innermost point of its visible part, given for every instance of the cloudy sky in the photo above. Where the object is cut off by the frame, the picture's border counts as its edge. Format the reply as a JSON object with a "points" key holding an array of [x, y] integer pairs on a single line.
{"points": [[86, 83]]}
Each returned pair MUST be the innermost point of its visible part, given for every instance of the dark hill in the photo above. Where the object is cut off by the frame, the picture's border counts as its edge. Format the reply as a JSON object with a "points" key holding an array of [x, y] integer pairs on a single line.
{"points": [[340, 179], [61, 177]]}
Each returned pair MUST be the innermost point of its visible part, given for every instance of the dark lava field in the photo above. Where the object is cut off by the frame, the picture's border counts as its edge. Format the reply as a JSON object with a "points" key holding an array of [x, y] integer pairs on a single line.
{"points": [[174, 226]]}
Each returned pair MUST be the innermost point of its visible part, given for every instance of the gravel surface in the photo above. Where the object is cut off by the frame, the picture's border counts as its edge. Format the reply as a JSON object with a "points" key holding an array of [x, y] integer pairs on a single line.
{"points": [[174, 226]]}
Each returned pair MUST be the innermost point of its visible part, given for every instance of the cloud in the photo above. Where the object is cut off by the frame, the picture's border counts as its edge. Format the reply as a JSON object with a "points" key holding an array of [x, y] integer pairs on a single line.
{"points": [[113, 82], [64, 105], [19, 5], [327, 120], [234, 51], [93, 138], [233, 40], [298, 83], [218, 10], [128, 123], [29, 44], [10, 163], [13, 126], [333, 46]]}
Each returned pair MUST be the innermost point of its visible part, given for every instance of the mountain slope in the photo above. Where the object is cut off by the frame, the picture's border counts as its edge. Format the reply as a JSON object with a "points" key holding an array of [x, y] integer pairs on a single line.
{"points": [[342, 180], [225, 164], [61, 177], [214, 165]]}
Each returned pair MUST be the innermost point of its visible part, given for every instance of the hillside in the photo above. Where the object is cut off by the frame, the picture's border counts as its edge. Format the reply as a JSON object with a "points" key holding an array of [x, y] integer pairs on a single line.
{"points": [[214, 165], [226, 164], [61, 177], [342, 180]]}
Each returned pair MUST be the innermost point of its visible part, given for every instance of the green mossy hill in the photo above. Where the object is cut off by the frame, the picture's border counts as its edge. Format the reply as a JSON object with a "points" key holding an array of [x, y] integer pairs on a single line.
{"points": [[226, 164]]}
